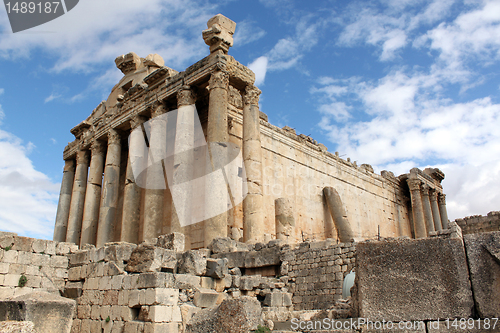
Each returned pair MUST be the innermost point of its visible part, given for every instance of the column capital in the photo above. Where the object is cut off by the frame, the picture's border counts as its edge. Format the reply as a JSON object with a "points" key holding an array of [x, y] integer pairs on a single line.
{"points": [[425, 190], [219, 79], [97, 147], [185, 96], [433, 194], [113, 137], [82, 157], [137, 121], [251, 96], [69, 165], [157, 109], [414, 184], [442, 198]]}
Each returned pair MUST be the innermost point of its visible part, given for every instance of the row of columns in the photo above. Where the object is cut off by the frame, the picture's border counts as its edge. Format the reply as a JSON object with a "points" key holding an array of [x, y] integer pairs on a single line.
{"points": [[88, 203], [428, 208]]}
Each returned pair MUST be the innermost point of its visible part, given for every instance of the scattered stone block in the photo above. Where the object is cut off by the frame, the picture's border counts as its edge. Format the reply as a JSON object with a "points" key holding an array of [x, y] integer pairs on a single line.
{"points": [[217, 268], [174, 241], [73, 290], [37, 307], [262, 258], [274, 299], [187, 281], [205, 298], [156, 313], [119, 253], [235, 259], [484, 271], [149, 258], [193, 262], [17, 327], [413, 279], [161, 296], [155, 280]]}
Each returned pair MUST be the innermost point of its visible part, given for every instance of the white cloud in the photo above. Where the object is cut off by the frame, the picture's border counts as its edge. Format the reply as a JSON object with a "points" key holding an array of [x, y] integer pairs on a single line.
{"points": [[247, 32], [1, 91], [87, 35], [259, 67], [52, 97], [28, 198]]}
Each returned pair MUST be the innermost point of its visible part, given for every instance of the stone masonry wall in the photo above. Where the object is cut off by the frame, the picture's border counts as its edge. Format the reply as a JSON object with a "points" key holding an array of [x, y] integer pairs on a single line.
{"points": [[316, 271], [42, 264], [478, 223]]}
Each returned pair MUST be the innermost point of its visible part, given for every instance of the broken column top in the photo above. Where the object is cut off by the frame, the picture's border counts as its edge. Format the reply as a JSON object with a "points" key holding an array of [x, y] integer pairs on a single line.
{"points": [[219, 35]]}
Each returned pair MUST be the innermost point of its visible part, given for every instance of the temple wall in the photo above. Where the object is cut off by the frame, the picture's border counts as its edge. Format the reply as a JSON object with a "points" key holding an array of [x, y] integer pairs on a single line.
{"points": [[478, 223], [299, 170]]}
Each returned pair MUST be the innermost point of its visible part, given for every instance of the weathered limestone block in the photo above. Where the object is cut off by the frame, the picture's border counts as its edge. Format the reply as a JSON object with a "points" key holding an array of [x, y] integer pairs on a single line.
{"points": [[17, 327], [484, 264], [273, 299], [128, 63], [235, 259], [187, 281], [155, 280], [73, 289], [225, 245], [262, 258], [119, 253], [148, 258], [161, 296], [37, 307], [205, 298], [193, 262], [219, 35], [154, 60], [401, 280], [174, 241], [217, 268], [233, 315]]}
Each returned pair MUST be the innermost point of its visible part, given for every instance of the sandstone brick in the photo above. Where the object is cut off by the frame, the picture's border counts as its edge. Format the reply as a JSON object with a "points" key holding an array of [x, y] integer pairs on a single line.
{"points": [[156, 313], [10, 257], [155, 280], [205, 298], [187, 281]]}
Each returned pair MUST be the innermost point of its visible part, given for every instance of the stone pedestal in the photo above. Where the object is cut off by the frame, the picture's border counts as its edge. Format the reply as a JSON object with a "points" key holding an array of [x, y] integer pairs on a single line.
{"points": [[78, 197], [156, 182], [339, 215], [429, 221], [216, 226], [435, 210], [132, 193], [109, 202], [93, 194], [285, 221], [442, 210], [417, 208], [63, 207], [253, 217]]}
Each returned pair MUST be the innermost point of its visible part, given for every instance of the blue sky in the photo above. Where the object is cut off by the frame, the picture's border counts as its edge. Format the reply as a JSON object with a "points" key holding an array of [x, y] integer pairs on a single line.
{"points": [[396, 84]]}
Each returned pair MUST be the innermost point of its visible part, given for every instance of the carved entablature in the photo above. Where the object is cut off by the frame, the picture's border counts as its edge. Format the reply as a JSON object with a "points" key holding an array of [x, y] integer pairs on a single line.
{"points": [[137, 121], [79, 129], [157, 109], [164, 73]]}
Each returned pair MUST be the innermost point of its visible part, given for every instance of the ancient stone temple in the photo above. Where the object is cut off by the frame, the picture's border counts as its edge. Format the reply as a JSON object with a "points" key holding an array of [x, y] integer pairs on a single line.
{"points": [[139, 168]]}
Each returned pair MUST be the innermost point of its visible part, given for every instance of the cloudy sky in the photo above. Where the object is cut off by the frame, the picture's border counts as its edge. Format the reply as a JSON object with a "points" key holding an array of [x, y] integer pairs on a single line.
{"points": [[393, 83]]}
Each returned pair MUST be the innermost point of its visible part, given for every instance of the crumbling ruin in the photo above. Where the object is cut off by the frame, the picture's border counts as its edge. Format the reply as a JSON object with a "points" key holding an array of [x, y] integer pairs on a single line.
{"points": [[283, 248]]}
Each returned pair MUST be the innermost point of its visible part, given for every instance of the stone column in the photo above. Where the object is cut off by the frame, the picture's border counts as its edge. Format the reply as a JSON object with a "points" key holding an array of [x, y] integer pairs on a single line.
{"points": [[442, 210], [339, 215], [156, 182], [253, 217], [217, 131], [417, 208], [285, 222], [110, 190], [183, 161], [429, 221], [62, 215], [78, 197], [93, 194], [435, 210], [137, 154]]}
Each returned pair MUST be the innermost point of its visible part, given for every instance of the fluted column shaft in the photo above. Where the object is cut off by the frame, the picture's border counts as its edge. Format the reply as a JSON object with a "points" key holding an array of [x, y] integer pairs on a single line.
{"points": [[217, 131], [78, 197], [442, 210], [183, 161], [435, 210], [132, 193], [417, 208], [109, 201], [155, 189], [429, 221], [63, 207], [253, 219], [93, 194]]}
